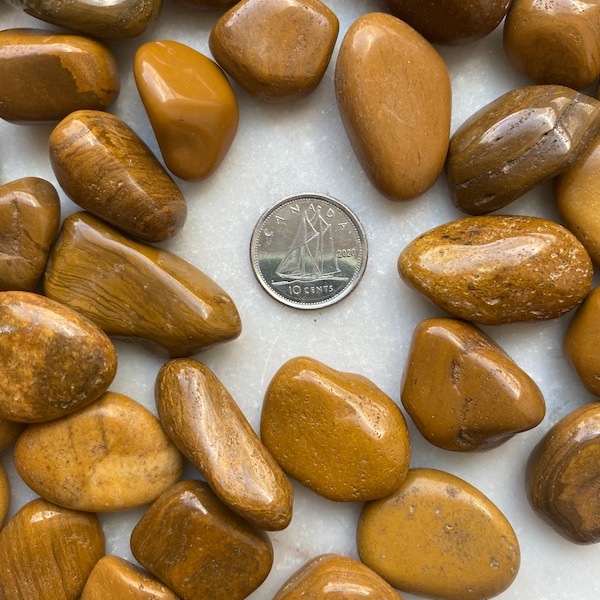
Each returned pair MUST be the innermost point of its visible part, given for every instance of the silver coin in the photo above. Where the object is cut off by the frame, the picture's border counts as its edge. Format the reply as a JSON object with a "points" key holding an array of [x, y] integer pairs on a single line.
{"points": [[308, 251]]}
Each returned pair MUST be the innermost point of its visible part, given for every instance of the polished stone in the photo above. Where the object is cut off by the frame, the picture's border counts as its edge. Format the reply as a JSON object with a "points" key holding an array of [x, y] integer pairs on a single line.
{"points": [[335, 577], [47, 75], [115, 577], [29, 222], [110, 455], [192, 542], [200, 416], [53, 360], [107, 169], [335, 432], [582, 340], [554, 42], [451, 21], [117, 19], [399, 138], [4, 495], [498, 269], [9, 432], [47, 552], [563, 473], [462, 390], [440, 537], [130, 289], [191, 106], [277, 50], [516, 142], [577, 195]]}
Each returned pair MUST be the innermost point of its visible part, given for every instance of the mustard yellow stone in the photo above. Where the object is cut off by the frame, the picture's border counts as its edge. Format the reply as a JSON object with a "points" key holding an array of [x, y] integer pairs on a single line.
{"points": [[47, 552], [397, 119], [110, 455], [438, 536], [4, 494], [206, 424], [115, 577], [335, 577], [9, 432], [335, 432], [191, 106]]}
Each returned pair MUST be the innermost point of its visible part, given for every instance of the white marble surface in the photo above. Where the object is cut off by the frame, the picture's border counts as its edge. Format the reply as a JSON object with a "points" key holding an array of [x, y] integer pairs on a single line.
{"points": [[301, 147]]}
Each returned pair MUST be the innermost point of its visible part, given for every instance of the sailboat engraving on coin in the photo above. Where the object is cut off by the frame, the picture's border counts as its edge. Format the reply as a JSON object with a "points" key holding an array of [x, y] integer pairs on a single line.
{"points": [[308, 251]]}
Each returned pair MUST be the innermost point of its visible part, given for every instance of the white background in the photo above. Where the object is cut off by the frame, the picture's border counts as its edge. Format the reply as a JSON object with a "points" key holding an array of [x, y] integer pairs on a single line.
{"points": [[301, 147]]}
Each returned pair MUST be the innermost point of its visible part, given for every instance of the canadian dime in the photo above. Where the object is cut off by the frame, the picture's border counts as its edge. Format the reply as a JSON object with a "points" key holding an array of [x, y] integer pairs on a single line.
{"points": [[308, 251]]}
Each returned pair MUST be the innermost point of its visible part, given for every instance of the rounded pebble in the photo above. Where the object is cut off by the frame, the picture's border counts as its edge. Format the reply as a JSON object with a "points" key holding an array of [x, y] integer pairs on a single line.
{"points": [[498, 269], [4, 495]]}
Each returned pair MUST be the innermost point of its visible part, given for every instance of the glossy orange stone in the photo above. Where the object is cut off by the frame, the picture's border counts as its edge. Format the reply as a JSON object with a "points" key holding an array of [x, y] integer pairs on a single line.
{"points": [[277, 50], [191, 106]]}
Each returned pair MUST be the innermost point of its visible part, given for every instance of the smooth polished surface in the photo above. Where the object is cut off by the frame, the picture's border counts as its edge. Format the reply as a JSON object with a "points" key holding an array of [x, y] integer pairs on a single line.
{"points": [[581, 342], [110, 455], [200, 548], [46, 75], [9, 432], [47, 552], [554, 42], [438, 536], [563, 473], [335, 432], [335, 577], [107, 169], [499, 269], [516, 142], [451, 21], [132, 289], [462, 390], [191, 106], [277, 50], [204, 421], [115, 577], [29, 222], [116, 19], [399, 138], [54, 361], [577, 195], [4, 495]]}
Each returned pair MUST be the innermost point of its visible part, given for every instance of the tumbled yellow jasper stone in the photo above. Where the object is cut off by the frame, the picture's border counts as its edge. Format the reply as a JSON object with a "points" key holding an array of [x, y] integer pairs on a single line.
{"points": [[204, 421], [110, 455], [335, 577], [47, 552], [115, 577], [438, 536], [191, 106], [53, 360], [335, 432], [4, 494]]}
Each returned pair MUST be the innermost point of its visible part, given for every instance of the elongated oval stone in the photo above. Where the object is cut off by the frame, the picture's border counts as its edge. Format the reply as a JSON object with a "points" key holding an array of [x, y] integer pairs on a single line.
{"points": [[4, 495], [115, 577], [462, 390], [516, 142], [563, 472], [577, 195], [218, 554], [53, 360], [47, 552], [439, 536], [337, 433], [277, 50], [106, 168], [334, 576], [117, 19], [499, 269], [554, 42], [582, 339], [191, 106], [206, 424], [46, 75], [397, 119], [134, 290], [110, 455], [29, 222]]}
